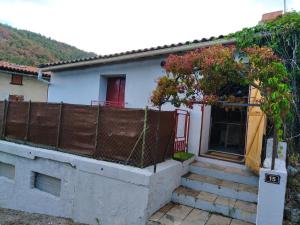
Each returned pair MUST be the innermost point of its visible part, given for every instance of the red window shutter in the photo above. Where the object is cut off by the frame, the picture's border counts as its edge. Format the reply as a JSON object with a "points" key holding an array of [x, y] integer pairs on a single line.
{"points": [[16, 79], [16, 98]]}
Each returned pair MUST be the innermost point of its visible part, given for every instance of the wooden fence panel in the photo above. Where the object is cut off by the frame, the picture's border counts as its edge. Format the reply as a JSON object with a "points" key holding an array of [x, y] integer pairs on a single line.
{"points": [[43, 123], [78, 128], [16, 122], [127, 136], [119, 131]]}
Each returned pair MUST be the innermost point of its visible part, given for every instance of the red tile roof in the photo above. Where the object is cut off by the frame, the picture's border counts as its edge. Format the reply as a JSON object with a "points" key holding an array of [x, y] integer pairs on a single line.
{"points": [[11, 67], [203, 40]]}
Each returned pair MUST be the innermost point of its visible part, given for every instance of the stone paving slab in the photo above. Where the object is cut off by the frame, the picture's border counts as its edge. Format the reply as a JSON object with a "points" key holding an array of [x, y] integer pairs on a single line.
{"points": [[179, 211], [222, 183], [175, 214], [207, 196], [197, 214], [218, 220], [229, 202], [246, 206], [227, 169], [239, 175], [239, 222]]}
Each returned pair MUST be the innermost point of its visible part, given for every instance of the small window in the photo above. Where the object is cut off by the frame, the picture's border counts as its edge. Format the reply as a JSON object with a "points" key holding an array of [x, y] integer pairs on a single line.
{"points": [[7, 170], [16, 98], [45, 183], [16, 79]]}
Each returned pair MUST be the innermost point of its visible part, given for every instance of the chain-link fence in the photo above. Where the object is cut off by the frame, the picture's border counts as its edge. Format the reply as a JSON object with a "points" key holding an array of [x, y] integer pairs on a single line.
{"points": [[138, 137]]}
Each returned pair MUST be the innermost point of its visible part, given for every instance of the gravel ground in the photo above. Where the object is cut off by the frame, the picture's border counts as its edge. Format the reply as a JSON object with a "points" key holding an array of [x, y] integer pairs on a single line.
{"points": [[13, 217]]}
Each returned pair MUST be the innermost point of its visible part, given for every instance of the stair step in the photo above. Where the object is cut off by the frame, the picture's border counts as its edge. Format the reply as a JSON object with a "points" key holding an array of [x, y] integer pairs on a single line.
{"points": [[234, 208], [220, 187], [239, 175]]}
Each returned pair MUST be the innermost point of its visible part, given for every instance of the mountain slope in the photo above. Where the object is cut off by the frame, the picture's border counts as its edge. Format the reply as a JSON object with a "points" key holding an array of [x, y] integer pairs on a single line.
{"points": [[28, 48]]}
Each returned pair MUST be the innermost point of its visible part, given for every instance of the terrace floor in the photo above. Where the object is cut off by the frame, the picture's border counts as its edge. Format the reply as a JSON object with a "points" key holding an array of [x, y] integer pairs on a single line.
{"points": [[174, 214]]}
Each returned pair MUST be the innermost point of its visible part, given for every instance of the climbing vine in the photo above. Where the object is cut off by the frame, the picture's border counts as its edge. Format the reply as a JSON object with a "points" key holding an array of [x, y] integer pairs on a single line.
{"points": [[200, 76], [283, 37]]}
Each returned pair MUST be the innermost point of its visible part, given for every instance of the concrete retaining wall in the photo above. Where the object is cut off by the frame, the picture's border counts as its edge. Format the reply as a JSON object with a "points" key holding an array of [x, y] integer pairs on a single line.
{"points": [[86, 190]]}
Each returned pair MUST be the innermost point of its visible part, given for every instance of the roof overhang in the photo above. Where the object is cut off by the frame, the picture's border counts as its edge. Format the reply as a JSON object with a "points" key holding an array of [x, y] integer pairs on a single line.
{"points": [[136, 56]]}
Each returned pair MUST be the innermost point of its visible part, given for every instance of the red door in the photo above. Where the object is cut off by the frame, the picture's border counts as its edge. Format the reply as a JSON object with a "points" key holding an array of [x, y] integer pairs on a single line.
{"points": [[115, 94]]}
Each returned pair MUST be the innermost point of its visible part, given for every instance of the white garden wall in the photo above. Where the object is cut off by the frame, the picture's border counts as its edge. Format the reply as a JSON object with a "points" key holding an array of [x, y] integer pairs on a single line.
{"points": [[86, 190]]}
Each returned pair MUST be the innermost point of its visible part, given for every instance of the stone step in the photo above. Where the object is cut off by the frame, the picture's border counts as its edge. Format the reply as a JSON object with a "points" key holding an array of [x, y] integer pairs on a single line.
{"points": [[220, 187], [233, 208], [240, 175]]}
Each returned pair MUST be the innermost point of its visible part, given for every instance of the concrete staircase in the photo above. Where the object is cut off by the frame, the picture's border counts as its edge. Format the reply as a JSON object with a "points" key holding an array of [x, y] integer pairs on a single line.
{"points": [[227, 190]]}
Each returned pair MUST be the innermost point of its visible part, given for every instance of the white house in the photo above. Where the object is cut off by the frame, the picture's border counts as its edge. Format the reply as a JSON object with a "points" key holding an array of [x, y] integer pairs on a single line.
{"points": [[94, 191], [128, 79], [213, 185], [215, 135]]}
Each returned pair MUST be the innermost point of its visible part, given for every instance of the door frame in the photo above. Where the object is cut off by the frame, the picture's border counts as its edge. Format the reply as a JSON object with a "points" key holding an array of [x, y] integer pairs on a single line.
{"points": [[204, 114]]}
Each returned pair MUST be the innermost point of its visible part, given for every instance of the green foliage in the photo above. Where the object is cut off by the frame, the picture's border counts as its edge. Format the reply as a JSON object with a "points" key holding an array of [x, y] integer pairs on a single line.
{"points": [[28, 48], [283, 37], [207, 71], [294, 158], [182, 156]]}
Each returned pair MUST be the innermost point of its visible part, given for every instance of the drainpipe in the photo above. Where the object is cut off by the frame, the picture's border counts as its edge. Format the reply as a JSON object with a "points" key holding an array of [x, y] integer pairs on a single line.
{"points": [[40, 77]]}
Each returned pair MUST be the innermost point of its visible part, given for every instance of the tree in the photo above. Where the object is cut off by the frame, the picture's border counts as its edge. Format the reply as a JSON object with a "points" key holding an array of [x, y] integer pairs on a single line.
{"points": [[200, 76]]}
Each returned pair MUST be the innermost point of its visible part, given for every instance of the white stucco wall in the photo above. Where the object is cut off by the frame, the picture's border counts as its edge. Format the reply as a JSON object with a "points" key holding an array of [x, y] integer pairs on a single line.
{"points": [[89, 189], [206, 129], [271, 196], [32, 89], [83, 86]]}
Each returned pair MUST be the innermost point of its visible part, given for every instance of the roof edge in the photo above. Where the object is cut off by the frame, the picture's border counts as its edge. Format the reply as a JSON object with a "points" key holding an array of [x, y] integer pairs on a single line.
{"points": [[132, 56]]}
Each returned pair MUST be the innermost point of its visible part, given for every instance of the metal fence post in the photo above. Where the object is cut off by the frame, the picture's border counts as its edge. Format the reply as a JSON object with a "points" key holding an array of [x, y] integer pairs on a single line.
{"points": [[4, 119], [157, 139], [28, 120], [59, 125], [97, 128], [144, 136]]}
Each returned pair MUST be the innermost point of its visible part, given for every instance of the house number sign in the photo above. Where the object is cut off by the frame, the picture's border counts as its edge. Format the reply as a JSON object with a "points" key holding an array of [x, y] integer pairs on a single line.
{"points": [[272, 178]]}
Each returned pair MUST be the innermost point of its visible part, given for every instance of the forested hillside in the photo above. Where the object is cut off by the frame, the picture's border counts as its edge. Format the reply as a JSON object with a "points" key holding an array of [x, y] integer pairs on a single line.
{"points": [[28, 48]]}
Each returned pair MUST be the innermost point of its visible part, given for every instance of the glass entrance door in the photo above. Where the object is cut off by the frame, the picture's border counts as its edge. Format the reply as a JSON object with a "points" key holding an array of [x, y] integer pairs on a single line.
{"points": [[227, 131]]}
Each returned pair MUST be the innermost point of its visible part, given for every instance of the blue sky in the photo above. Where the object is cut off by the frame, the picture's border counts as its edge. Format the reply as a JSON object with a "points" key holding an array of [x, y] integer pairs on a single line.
{"points": [[109, 26]]}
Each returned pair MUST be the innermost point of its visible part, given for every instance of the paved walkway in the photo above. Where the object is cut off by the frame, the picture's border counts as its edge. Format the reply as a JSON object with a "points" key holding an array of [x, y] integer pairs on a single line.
{"points": [[173, 214]]}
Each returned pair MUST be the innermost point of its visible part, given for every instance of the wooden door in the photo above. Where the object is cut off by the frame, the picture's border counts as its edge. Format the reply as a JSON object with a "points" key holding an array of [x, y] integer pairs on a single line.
{"points": [[255, 131], [115, 91]]}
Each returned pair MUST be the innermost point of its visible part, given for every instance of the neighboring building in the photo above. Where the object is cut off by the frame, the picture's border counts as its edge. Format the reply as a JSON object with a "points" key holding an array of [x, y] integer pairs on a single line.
{"points": [[22, 83]]}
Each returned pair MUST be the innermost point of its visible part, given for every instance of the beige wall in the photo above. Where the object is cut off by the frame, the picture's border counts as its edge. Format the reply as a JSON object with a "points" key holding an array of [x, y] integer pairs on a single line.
{"points": [[32, 89]]}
